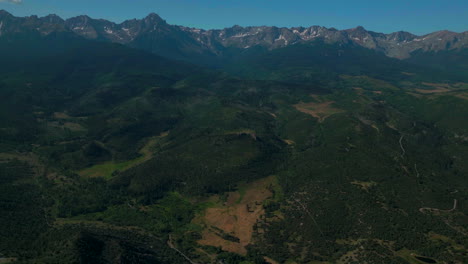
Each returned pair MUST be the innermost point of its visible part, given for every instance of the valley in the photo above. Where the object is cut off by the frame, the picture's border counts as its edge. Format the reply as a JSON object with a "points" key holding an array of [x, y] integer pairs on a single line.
{"points": [[251, 145]]}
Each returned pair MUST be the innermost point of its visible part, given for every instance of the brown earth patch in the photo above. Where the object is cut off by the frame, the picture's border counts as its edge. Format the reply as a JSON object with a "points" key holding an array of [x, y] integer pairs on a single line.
{"points": [[69, 125], [416, 95], [74, 127], [270, 260], [408, 73], [233, 198], [318, 110], [7, 260], [359, 90], [462, 96], [231, 225], [442, 87], [364, 185], [60, 115], [438, 90], [437, 85]]}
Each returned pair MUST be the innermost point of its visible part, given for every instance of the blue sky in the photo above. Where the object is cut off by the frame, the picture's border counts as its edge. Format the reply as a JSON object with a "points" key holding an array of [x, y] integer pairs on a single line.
{"points": [[416, 16]]}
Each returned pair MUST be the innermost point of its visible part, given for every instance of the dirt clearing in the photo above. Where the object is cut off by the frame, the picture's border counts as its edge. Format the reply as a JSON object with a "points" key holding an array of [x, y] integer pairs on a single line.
{"points": [[318, 110], [438, 90], [364, 185], [230, 224]]}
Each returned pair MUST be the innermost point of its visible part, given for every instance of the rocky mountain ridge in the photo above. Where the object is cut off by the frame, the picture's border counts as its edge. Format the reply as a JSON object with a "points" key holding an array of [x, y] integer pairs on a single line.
{"points": [[154, 34]]}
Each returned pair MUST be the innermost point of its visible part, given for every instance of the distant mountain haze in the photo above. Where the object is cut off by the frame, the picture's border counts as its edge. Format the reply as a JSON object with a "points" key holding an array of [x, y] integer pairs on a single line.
{"points": [[152, 33]]}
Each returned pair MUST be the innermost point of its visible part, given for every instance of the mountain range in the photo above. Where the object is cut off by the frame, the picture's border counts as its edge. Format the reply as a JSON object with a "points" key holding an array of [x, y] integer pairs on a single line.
{"points": [[154, 34]]}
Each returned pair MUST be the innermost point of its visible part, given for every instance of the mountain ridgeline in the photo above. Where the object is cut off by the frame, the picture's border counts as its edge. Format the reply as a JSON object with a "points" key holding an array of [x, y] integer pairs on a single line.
{"points": [[144, 142], [212, 47]]}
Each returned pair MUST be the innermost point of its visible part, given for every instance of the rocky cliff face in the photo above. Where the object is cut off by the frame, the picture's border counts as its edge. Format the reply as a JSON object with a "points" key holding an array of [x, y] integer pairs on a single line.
{"points": [[154, 34]]}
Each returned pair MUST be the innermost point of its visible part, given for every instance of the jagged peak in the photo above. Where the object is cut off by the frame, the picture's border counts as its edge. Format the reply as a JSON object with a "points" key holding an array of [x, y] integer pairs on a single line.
{"points": [[83, 18], [154, 17], [440, 34], [237, 27], [359, 28], [401, 36], [53, 18], [401, 32], [3, 13]]}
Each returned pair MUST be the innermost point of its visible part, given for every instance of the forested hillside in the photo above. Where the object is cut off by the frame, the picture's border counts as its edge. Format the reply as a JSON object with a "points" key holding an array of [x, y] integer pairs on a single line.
{"points": [[311, 153]]}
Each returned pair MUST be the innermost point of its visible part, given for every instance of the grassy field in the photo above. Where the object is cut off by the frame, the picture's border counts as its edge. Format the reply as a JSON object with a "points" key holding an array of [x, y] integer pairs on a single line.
{"points": [[106, 169]]}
